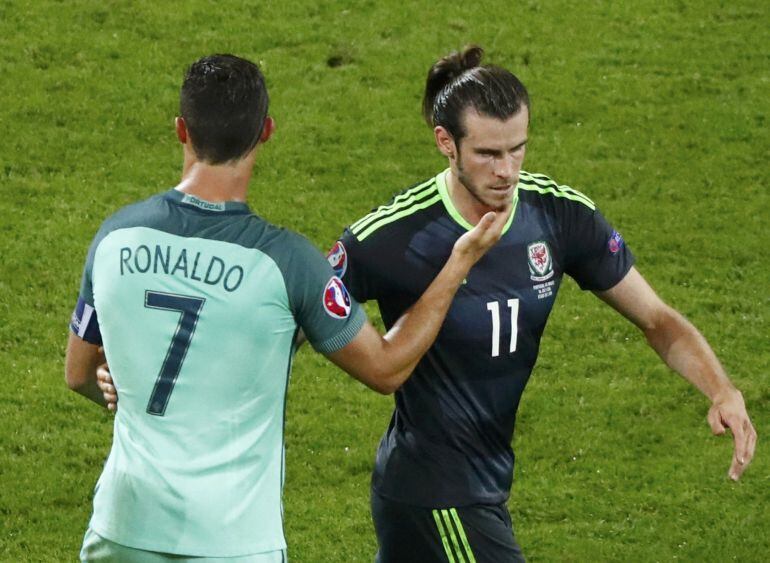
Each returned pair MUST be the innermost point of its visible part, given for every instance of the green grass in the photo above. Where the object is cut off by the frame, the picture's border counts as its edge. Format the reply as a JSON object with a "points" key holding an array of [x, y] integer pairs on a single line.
{"points": [[657, 110]]}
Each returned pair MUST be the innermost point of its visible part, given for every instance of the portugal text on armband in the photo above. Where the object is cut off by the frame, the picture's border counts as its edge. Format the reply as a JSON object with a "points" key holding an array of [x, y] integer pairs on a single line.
{"points": [[194, 265]]}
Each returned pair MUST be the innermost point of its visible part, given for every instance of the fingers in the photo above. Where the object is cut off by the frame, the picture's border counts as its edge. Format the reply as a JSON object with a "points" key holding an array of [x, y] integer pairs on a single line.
{"points": [[744, 450], [739, 438], [715, 421], [487, 220], [107, 387], [491, 226], [109, 393], [103, 373], [745, 439]]}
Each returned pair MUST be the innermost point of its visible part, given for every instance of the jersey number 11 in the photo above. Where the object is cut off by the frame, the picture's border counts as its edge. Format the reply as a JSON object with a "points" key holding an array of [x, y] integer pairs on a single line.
{"points": [[494, 308]]}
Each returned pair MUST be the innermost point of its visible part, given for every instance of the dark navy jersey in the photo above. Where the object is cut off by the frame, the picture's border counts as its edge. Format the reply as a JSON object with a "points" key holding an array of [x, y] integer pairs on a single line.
{"points": [[449, 440]]}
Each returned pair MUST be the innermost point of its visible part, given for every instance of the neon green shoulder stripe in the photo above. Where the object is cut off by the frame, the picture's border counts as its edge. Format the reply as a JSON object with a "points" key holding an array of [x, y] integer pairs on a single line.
{"points": [[544, 185], [547, 181], [402, 200], [396, 216]]}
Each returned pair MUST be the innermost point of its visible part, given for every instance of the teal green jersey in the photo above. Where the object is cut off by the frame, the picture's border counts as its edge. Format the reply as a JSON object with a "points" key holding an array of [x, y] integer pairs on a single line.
{"points": [[197, 305]]}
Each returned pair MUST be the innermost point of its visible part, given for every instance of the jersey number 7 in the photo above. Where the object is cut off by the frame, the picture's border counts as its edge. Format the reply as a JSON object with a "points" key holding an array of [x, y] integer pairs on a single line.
{"points": [[190, 308]]}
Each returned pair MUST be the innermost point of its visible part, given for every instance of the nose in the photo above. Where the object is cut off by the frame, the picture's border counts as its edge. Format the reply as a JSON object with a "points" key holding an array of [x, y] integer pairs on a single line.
{"points": [[505, 167]]}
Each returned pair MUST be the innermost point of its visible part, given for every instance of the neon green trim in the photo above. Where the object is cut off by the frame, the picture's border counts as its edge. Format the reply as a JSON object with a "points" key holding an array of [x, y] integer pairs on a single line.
{"points": [[543, 184], [399, 201], [443, 190], [387, 220], [557, 194], [545, 181], [444, 540], [448, 524], [463, 538]]}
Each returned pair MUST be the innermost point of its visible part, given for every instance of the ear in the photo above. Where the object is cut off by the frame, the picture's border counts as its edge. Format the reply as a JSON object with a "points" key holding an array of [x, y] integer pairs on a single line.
{"points": [[267, 130], [181, 130], [445, 142]]}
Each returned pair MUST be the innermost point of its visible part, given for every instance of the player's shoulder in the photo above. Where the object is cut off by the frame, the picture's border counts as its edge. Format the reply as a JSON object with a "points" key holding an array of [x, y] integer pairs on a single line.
{"points": [[541, 190], [287, 248], [406, 204], [134, 214]]}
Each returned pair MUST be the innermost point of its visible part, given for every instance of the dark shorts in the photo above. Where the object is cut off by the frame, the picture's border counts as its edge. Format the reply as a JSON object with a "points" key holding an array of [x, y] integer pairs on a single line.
{"points": [[469, 534]]}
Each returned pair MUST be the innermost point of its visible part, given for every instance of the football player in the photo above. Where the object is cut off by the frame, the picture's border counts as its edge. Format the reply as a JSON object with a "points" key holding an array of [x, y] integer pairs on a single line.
{"points": [[444, 466], [197, 302]]}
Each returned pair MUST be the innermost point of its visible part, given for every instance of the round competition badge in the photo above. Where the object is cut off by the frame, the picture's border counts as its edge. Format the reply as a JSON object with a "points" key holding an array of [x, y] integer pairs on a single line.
{"points": [[336, 299]]}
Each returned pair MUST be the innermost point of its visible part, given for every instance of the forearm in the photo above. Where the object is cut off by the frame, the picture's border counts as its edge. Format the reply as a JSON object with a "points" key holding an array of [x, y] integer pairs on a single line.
{"points": [[683, 349], [384, 363], [90, 390], [416, 330], [80, 368], [686, 351]]}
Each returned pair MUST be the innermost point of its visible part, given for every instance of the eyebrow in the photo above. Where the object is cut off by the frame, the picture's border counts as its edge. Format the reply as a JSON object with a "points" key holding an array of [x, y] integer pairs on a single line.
{"points": [[485, 150]]}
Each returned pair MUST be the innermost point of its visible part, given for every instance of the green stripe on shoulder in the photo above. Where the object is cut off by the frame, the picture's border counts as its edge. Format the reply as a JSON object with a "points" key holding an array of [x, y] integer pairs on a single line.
{"points": [[544, 185], [399, 215], [401, 200], [411, 201]]}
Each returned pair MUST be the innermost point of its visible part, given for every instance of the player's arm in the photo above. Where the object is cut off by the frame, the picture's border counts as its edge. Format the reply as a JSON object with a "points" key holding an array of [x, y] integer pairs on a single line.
{"points": [[385, 362], [685, 350], [81, 363]]}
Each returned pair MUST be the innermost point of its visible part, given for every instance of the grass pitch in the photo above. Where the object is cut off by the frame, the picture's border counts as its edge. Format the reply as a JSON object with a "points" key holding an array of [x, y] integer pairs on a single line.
{"points": [[657, 110]]}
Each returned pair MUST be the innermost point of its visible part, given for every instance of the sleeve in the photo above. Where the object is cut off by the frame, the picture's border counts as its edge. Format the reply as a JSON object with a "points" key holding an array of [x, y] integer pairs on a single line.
{"points": [[597, 256], [348, 259], [84, 322], [320, 301]]}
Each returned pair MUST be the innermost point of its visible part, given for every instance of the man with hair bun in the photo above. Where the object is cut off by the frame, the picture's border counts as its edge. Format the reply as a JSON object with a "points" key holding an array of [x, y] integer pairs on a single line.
{"points": [[444, 467]]}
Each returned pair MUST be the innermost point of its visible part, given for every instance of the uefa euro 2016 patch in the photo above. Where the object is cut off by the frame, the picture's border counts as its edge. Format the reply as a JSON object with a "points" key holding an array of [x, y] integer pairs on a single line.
{"points": [[336, 299], [615, 243], [338, 259]]}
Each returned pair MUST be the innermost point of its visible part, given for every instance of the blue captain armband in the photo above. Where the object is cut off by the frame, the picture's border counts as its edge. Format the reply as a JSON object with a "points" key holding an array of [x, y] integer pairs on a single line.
{"points": [[85, 324]]}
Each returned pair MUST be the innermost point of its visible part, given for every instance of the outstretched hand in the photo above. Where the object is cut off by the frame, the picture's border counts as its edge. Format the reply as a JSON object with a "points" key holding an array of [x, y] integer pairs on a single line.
{"points": [[476, 242], [729, 411], [107, 387]]}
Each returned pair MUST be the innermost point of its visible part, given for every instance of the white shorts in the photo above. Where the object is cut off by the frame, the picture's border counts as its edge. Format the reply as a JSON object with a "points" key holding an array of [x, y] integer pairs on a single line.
{"points": [[98, 549]]}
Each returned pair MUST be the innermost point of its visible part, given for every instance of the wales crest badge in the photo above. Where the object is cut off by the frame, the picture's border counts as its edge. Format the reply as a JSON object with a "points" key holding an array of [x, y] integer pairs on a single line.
{"points": [[539, 260]]}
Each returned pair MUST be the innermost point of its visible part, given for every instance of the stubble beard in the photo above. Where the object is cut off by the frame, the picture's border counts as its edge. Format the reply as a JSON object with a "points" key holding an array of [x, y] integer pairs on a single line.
{"points": [[474, 191]]}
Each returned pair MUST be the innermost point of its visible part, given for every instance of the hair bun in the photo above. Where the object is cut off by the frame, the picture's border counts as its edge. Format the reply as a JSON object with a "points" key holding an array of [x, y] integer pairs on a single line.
{"points": [[445, 70], [471, 57], [456, 63]]}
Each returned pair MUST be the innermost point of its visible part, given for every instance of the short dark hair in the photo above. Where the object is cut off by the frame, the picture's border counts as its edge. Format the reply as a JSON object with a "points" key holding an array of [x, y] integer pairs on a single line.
{"points": [[458, 81], [223, 102]]}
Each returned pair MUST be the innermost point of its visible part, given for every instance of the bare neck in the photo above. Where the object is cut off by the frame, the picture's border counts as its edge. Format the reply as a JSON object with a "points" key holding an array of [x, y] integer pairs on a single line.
{"points": [[220, 182]]}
